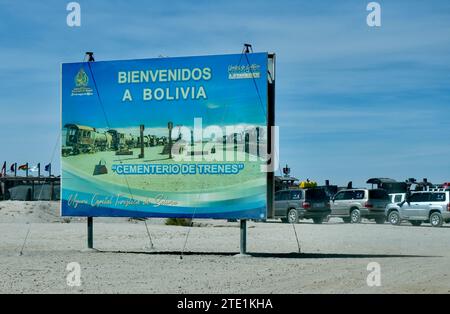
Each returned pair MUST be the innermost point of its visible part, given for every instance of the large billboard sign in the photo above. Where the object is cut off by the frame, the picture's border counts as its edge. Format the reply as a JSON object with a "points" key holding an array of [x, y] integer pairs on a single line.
{"points": [[166, 137]]}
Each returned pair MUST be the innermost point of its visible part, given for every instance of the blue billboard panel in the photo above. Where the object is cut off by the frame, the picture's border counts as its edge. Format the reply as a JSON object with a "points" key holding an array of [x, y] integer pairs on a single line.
{"points": [[166, 137]]}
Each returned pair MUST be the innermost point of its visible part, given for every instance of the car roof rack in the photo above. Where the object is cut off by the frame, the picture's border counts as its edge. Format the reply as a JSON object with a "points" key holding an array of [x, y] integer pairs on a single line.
{"points": [[381, 181], [438, 190]]}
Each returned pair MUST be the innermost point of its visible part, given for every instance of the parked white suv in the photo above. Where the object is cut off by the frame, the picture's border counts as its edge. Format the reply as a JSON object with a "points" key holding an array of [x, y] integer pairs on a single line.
{"points": [[428, 206]]}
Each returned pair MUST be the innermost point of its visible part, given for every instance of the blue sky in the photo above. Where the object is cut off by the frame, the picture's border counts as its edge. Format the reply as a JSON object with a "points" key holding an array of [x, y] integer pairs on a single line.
{"points": [[353, 102]]}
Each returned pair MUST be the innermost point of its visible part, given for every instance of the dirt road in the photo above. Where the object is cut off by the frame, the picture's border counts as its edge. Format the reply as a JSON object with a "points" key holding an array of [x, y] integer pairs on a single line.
{"points": [[334, 257]]}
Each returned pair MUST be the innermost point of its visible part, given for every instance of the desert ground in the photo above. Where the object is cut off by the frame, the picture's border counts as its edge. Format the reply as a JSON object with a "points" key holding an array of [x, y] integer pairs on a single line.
{"points": [[333, 259]]}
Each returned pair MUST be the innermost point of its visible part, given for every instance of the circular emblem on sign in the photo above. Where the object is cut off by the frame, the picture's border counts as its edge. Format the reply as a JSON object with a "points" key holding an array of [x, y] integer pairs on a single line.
{"points": [[81, 79]]}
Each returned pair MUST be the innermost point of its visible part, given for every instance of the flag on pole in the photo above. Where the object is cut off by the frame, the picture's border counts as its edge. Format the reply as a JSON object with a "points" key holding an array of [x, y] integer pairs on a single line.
{"points": [[3, 172], [12, 168], [23, 167], [48, 168], [37, 169]]}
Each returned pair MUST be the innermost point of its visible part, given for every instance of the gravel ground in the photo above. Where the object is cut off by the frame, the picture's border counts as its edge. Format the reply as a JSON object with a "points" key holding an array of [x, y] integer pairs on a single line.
{"points": [[334, 256]]}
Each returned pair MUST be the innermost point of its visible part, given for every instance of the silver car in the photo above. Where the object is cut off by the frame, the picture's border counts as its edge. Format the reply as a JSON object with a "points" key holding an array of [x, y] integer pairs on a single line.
{"points": [[354, 204], [428, 206]]}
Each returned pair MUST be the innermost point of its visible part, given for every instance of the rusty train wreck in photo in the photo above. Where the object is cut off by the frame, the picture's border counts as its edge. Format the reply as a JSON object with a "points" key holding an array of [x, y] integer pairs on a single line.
{"points": [[80, 139]]}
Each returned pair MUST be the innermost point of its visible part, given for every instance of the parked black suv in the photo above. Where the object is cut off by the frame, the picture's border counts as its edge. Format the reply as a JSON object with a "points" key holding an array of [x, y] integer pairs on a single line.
{"points": [[292, 205]]}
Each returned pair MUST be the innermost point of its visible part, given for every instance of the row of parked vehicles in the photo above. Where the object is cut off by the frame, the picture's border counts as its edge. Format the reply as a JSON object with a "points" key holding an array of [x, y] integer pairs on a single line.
{"points": [[426, 203]]}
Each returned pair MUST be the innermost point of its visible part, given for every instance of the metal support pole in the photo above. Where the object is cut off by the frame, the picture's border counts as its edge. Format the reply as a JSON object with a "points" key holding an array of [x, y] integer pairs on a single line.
{"points": [[247, 143], [90, 220], [52, 187], [170, 127], [257, 141], [192, 144], [243, 246], [90, 232], [141, 140]]}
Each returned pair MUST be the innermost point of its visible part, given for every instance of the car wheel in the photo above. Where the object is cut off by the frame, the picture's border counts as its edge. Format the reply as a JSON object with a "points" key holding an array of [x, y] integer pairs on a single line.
{"points": [[292, 216], [436, 220], [380, 220], [318, 220], [355, 216], [394, 218], [415, 223], [346, 220]]}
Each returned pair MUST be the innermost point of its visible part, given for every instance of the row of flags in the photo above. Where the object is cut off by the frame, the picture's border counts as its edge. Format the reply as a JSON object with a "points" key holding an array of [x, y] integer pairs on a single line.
{"points": [[25, 167]]}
